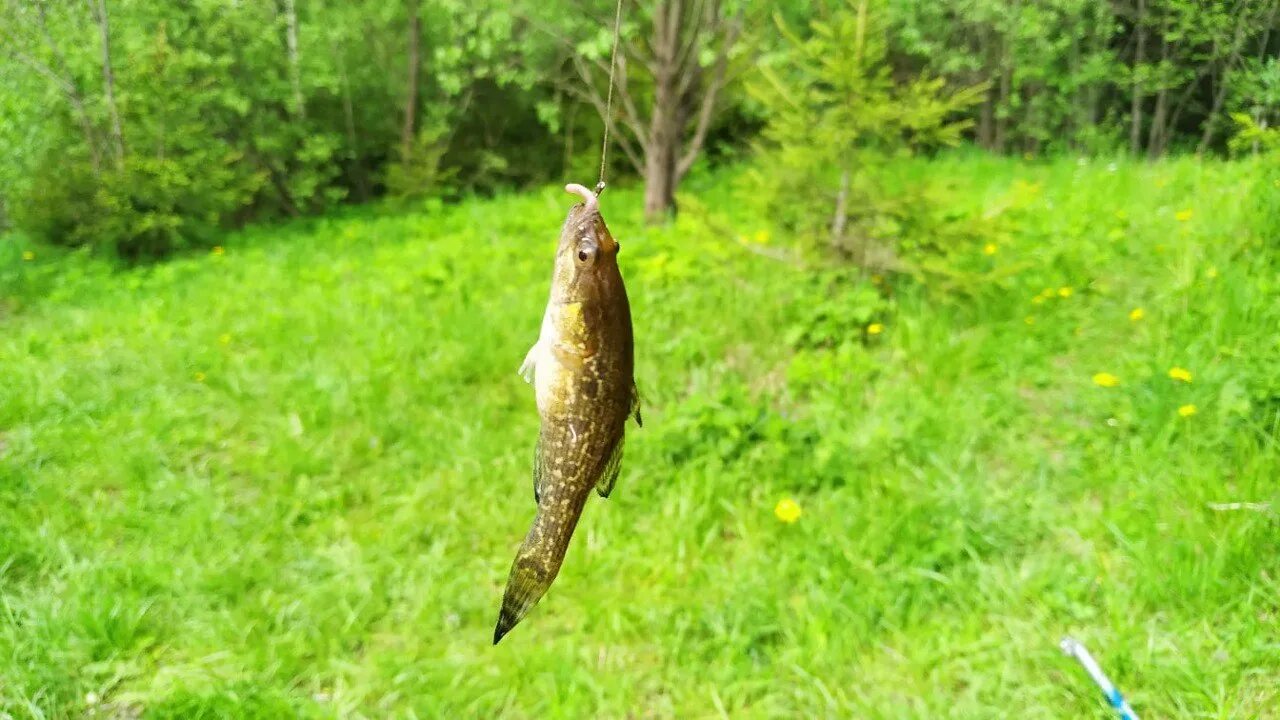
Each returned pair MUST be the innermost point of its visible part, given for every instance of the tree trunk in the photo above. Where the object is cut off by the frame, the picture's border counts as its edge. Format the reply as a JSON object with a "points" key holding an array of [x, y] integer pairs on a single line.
{"points": [[841, 217], [360, 176], [108, 80], [1002, 118], [1224, 82], [987, 113], [664, 125], [1155, 136], [411, 86], [660, 161], [295, 69], [1139, 57], [72, 89]]}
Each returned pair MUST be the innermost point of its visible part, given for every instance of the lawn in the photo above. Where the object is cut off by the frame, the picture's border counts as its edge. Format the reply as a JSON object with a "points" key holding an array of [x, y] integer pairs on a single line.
{"points": [[288, 477]]}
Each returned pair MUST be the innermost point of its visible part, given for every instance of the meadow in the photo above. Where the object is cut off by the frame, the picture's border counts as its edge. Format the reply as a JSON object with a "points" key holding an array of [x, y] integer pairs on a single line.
{"points": [[286, 478]]}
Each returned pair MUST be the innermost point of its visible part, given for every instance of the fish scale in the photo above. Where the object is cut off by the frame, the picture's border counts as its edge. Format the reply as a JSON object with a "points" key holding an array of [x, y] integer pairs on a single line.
{"points": [[581, 368]]}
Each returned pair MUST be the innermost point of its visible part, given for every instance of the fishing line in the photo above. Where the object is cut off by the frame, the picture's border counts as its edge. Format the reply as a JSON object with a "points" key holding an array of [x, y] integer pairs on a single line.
{"points": [[608, 105]]}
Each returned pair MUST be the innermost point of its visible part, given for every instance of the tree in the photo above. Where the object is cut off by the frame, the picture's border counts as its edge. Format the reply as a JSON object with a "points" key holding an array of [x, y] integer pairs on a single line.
{"points": [[674, 61], [836, 115]]}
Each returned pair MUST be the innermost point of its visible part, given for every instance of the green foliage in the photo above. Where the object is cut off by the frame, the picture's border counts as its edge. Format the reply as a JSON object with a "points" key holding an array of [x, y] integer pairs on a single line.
{"points": [[420, 175], [286, 481], [221, 122], [836, 118]]}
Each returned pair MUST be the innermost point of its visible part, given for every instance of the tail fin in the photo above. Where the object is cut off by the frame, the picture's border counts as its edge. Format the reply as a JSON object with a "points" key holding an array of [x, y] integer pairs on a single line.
{"points": [[536, 566], [525, 587]]}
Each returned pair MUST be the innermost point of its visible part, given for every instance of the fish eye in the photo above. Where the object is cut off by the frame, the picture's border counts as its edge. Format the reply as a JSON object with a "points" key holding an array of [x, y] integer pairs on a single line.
{"points": [[583, 255]]}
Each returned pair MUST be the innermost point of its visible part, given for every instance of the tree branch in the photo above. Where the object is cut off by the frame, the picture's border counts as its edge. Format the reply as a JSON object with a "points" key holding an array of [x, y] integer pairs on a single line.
{"points": [[709, 100]]}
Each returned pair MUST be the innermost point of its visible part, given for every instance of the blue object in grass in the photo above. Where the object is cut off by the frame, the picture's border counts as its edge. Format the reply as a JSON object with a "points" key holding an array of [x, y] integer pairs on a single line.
{"points": [[1074, 649]]}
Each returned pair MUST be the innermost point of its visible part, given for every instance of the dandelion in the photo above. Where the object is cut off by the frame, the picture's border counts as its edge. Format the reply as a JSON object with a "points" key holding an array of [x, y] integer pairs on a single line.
{"points": [[1187, 411], [1184, 215], [217, 250], [199, 377], [875, 329], [1137, 314], [762, 237], [1065, 292], [1106, 380], [224, 338], [989, 249], [787, 510], [28, 255], [1180, 374]]}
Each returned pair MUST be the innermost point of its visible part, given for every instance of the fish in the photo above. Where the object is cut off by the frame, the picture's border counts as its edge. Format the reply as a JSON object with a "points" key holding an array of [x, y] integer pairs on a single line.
{"points": [[582, 371]]}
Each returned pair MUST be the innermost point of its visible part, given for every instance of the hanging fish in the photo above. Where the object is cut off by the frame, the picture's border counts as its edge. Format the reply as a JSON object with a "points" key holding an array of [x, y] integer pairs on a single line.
{"points": [[581, 370]]}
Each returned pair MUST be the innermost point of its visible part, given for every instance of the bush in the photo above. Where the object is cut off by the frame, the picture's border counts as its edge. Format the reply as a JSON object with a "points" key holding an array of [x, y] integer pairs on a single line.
{"points": [[149, 208]]}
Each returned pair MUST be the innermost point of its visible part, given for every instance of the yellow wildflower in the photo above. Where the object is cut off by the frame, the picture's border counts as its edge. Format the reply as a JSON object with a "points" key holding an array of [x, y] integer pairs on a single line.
{"points": [[217, 250], [199, 377], [1037, 300], [224, 338], [1065, 292], [1137, 314], [787, 510], [1106, 380], [1030, 320], [762, 237], [1187, 411], [875, 329], [1184, 215], [28, 255], [989, 249], [1181, 374], [1212, 272]]}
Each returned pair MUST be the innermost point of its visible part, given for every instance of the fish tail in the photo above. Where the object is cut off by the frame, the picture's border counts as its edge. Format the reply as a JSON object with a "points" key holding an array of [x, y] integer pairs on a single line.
{"points": [[536, 566]]}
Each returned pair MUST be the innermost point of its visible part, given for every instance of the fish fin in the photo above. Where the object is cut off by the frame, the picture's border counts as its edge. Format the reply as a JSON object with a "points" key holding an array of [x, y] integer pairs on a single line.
{"points": [[526, 585], [530, 364], [611, 470], [537, 472], [635, 405]]}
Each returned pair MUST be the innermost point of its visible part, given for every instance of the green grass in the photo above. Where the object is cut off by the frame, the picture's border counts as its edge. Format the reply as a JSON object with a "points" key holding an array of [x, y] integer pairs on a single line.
{"points": [[289, 480]]}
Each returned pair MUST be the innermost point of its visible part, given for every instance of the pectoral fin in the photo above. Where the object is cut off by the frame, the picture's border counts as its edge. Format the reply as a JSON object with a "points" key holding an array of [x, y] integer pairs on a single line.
{"points": [[537, 472], [635, 405], [611, 469], [530, 364]]}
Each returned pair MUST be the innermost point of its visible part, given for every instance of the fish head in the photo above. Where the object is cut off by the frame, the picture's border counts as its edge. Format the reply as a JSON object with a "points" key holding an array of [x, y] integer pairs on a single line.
{"points": [[587, 256]]}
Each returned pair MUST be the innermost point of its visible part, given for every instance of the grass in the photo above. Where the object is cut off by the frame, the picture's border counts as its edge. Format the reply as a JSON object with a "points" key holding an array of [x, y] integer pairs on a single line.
{"points": [[288, 480]]}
